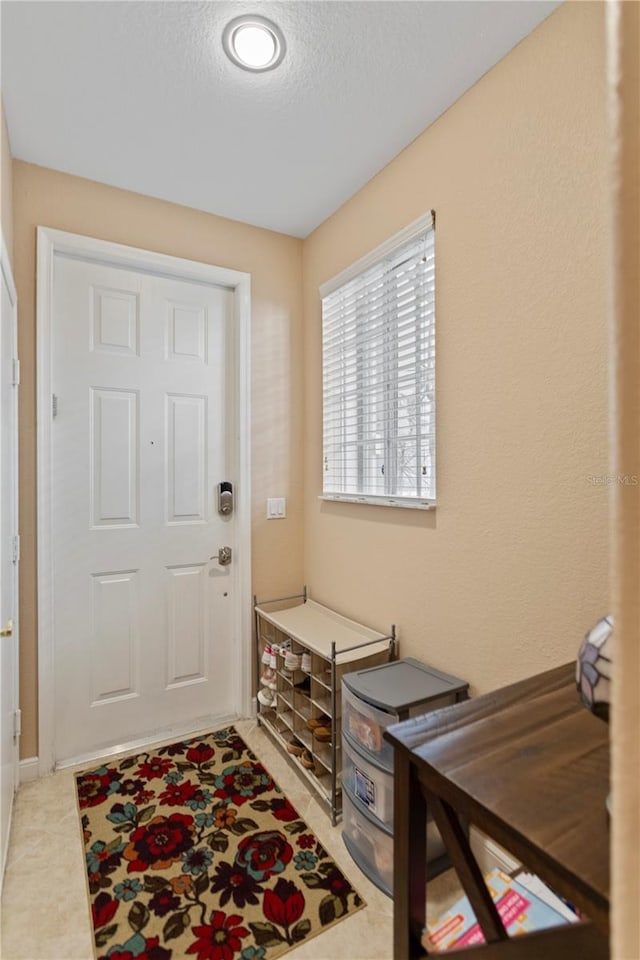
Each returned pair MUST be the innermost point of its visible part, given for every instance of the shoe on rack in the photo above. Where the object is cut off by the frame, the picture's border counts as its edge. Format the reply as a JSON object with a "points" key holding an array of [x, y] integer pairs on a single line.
{"points": [[266, 655], [295, 747], [322, 721], [322, 734], [292, 661], [266, 697], [273, 660], [306, 662], [304, 686], [307, 760], [268, 679]]}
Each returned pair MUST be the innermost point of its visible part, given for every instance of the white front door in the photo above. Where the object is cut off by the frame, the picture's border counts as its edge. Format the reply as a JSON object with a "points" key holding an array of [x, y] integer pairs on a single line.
{"points": [[141, 436], [8, 557]]}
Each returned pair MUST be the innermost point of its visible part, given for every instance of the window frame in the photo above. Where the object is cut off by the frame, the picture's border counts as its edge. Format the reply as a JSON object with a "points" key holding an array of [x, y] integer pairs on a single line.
{"points": [[423, 225]]}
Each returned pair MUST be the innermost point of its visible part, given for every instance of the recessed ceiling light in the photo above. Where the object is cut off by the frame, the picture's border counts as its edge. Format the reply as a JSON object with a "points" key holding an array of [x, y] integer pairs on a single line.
{"points": [[253, 43]]}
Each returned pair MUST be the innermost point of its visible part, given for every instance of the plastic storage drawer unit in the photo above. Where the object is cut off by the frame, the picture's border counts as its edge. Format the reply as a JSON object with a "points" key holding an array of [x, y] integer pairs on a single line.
{"points": [[372, 700]]}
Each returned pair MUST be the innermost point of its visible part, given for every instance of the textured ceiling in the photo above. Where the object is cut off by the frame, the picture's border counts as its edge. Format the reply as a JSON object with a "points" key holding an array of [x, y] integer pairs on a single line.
{"points": [[140, 95]]}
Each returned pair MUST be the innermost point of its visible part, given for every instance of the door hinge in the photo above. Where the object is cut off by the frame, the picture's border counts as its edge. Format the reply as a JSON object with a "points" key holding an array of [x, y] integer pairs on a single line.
{"points": [[54, 405], [16, 548], [16, 373], [17, 725]]}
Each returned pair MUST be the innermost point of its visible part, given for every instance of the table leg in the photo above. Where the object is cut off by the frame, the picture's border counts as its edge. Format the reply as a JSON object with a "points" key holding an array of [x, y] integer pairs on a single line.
{"points": [[409, 863]]}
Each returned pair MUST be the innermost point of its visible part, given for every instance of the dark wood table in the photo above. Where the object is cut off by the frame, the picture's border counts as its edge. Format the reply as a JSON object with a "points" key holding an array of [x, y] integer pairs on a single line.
{"points": [[529, 766]]}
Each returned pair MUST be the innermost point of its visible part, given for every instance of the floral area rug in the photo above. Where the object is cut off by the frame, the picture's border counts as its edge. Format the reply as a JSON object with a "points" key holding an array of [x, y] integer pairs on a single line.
{"points": [[192, 850]]}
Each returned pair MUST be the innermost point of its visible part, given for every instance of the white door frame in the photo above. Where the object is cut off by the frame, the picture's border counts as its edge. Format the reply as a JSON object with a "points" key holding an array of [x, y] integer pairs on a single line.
{"points": [[51, 242], [7, 279]]}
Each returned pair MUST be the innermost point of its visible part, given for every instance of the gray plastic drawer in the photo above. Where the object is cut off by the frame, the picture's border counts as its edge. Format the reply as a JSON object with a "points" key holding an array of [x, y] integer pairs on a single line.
{"points": [[365, 723], [370, 785], [370, 846]]}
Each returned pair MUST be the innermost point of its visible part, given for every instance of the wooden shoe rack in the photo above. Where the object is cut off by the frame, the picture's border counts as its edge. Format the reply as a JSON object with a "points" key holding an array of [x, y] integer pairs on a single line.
{"points": [[334, 646]]}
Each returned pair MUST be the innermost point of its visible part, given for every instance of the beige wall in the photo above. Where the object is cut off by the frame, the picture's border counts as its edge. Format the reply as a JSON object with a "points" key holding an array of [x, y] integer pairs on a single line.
{"points": [[80, 206], [506, 575], [6, 185]]}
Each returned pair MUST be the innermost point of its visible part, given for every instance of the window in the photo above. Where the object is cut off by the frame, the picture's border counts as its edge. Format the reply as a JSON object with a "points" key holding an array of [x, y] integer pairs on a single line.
{"points": [[378, 336]]}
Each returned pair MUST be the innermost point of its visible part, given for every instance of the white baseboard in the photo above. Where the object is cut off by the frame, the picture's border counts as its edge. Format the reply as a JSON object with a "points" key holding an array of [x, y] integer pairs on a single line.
{"points": [[490, 855], [28, 769], [164, 735]]}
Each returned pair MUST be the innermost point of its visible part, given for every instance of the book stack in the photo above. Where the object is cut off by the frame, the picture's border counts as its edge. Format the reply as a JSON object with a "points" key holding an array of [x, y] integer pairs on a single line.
{"points": [[524, 903]]}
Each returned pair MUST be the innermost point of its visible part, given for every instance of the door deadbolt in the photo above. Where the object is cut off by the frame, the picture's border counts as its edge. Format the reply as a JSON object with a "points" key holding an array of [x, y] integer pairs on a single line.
{"points": [[225, 498]]}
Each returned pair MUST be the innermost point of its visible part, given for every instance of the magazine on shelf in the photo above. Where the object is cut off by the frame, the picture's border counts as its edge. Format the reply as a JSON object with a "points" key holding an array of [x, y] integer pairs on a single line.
{"points": [[522, 906], [537, 886]]}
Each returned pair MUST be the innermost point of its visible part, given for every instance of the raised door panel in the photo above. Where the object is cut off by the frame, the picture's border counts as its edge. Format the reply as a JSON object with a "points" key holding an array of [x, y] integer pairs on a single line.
{"points": [[187, 624], [115, 638], [186, 424], [186, 332], [114, 457], [114, 321]]}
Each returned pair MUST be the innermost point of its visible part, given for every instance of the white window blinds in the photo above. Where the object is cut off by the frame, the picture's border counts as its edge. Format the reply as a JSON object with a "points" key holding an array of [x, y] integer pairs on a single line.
{"points": [[378, 334]]}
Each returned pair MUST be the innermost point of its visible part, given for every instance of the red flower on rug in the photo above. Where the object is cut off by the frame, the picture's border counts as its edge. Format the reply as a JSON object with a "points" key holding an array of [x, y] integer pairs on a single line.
{"points": [[103, 909], [161, 843], [284, 904], [177, 794], [200, 753], [154, 769], [220, 939], [282, 810], [97, 786], [264, 854], [306, 841], [144, 796]]}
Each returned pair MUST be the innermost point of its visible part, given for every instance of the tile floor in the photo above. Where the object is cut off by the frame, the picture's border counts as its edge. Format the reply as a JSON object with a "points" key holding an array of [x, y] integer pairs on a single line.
{"points": [[44, 904]]}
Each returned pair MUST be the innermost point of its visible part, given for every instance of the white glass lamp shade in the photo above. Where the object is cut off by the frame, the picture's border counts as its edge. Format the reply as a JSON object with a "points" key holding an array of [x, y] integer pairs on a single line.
{"points": [[593, 668]]}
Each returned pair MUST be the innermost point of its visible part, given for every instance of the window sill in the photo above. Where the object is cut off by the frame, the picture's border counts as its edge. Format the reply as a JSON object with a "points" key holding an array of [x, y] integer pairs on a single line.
{"points": [[410, 503]]}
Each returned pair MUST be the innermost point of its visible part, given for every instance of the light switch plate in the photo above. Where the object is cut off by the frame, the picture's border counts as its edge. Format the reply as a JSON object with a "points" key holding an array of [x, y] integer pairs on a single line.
{"points": [[276, 508]]}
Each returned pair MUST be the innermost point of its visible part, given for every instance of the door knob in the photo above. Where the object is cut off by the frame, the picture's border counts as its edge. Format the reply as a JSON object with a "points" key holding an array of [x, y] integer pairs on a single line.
{"points": [[8, 630], [223, 556]]}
